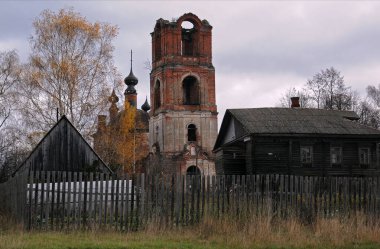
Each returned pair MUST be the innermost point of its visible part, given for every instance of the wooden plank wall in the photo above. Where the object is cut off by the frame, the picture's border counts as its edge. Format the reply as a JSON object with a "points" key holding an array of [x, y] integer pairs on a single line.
{"points": [[63, 148], [67, 200]]}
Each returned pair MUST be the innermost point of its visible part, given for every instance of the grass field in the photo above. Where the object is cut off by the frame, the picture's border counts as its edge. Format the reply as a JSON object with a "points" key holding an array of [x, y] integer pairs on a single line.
{"points": [[257, 232]]}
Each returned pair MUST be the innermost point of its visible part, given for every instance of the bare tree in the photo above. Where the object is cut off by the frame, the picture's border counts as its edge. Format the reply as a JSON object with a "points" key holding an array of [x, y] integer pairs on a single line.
{"points": [[148, 65], [368, 114], [9, 77], [70, 68], [369, 109], [373, 95], [13, 151], [10, 71], [316, 88], [328, 91]]}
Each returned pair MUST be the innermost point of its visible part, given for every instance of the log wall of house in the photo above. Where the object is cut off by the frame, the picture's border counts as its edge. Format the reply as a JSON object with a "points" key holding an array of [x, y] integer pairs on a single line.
{"points": [[283, 156], [231, 160]]}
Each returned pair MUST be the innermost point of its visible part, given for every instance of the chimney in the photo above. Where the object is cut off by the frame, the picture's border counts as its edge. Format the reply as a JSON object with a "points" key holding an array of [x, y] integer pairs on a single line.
{"points": [[295, 102]]}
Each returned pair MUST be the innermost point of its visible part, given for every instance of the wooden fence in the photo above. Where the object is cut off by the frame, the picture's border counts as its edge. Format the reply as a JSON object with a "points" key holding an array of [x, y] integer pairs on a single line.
{"points": [[73, 200]]}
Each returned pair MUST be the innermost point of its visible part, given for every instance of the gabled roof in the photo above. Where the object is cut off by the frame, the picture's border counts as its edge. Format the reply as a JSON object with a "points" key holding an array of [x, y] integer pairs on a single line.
{"points": [[59, 136], [294, 121]]}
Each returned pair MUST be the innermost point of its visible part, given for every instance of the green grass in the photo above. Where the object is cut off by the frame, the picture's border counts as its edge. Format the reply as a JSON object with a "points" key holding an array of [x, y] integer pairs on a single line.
{"points": [[170, 240], [250, 233], [88, 240]]}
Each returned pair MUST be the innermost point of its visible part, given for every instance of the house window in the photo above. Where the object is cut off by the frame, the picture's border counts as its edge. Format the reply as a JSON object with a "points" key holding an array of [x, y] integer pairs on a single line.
{"points": [[336, 155], [364, 156], [306, 154]]}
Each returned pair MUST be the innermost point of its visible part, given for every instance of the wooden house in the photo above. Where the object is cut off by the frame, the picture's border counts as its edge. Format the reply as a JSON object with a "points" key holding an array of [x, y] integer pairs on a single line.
{"points": [[64, 149], [296, 141]]}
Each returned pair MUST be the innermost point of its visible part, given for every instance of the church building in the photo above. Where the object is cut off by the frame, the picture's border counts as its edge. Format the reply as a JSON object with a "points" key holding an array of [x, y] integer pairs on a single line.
{"points": [[122, 139], [178, 134], [183, 119]]}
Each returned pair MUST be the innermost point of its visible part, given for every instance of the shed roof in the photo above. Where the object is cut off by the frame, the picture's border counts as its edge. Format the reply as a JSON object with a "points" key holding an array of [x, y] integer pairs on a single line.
{"points": [[63, 148]]}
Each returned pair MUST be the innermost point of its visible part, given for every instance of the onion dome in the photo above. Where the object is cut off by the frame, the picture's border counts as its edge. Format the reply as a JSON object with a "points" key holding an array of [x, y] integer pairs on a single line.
{"points": [[130, 90], [145, 107], [131, 79]]}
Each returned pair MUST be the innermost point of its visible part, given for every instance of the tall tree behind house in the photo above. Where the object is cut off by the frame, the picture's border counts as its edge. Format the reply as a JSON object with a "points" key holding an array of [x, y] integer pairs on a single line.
{"points": [[325, 90], [369, 108], [328, 90], [69, 67]]}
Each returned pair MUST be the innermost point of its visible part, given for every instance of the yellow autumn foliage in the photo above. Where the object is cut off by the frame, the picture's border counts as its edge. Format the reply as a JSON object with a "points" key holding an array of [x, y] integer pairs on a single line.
{"points": [[123, 145], [70, 69]]}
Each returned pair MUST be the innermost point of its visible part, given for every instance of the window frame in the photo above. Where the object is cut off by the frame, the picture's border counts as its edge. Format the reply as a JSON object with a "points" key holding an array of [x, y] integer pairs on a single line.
{"points": [[309, 159], [365, 162], [339, 162]]}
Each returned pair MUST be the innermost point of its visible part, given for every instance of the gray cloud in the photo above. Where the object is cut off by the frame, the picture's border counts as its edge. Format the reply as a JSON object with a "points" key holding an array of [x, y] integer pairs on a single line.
{"points": [[260, 48]]}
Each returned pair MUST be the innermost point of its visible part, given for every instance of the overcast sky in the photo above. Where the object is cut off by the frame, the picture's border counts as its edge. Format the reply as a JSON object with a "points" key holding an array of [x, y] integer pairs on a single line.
{"points": [[260, 49]]}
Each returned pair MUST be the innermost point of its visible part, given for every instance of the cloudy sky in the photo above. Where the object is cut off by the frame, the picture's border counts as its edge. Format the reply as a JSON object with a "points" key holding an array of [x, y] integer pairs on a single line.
{"points": [[260, 49]]}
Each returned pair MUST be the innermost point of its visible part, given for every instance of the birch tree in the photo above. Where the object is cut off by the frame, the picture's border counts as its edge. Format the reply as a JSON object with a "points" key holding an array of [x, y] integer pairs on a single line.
{"points": [[10, 72], [70, 69], [10, 151]]}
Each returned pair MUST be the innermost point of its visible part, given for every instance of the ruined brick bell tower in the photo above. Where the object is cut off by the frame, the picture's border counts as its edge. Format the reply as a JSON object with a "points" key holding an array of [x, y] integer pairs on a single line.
{"points": [[183, 123]]}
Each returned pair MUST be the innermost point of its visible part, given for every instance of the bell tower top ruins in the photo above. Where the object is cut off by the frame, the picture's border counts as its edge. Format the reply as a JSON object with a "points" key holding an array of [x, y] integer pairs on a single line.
{"points": [[183, 122], [183, 48]]}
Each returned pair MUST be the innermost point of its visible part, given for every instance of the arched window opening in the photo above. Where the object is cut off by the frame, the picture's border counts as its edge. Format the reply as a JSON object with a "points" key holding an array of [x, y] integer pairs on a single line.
{"points": [[191, 133], [157, 95], [190, 91], [188, 39], [193, 170]]}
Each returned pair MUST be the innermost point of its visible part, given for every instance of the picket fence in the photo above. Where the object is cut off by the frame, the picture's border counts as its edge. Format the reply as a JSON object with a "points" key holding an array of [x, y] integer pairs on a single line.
{"points": [[76, 200]]}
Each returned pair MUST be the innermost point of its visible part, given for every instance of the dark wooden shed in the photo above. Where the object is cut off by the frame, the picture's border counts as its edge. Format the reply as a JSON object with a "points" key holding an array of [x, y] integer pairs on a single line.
{"points": [[296, 141], [64, 149]]}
